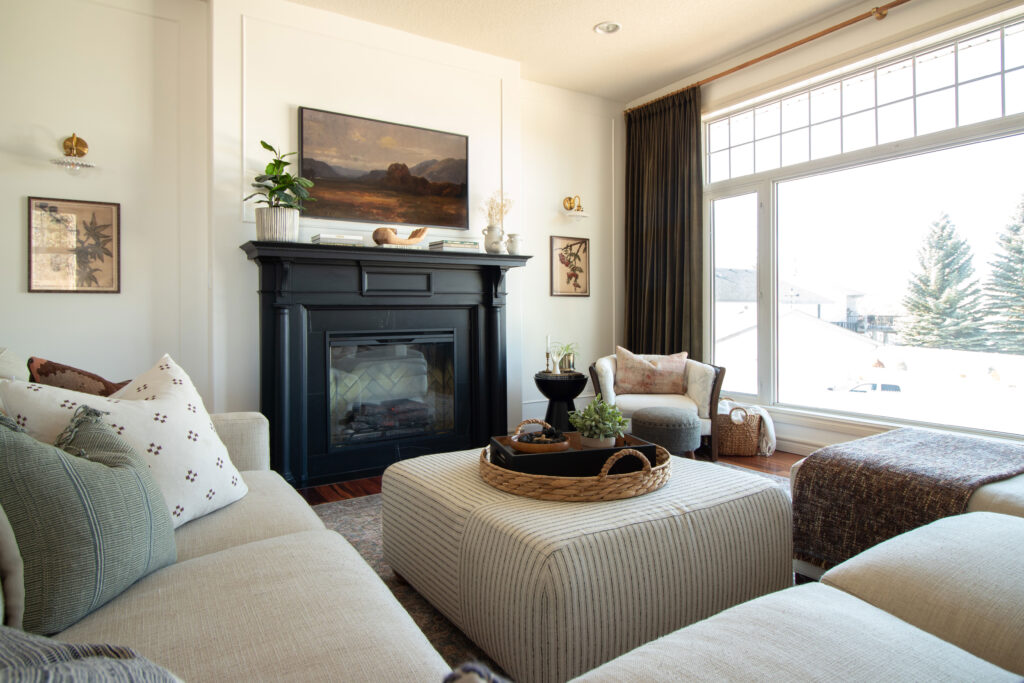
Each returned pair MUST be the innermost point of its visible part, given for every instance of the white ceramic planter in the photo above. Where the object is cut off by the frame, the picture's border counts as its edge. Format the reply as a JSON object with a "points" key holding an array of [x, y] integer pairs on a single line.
{"points": [[277, 224], [589, 442]]}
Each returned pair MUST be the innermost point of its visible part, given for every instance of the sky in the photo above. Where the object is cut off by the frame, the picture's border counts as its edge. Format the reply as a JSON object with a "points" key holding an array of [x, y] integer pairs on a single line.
{"points": [[368, 145], [861, 229]]}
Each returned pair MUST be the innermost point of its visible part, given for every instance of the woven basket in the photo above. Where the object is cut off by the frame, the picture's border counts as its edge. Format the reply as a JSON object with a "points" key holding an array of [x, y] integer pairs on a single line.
{"points": [[738, 439], [582, 489]]}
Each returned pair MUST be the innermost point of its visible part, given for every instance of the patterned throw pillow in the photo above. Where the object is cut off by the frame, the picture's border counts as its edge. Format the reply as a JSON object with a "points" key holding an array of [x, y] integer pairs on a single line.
{"points": [[659, 375], [162, 416], [89, 520], [42, 371], [25, 657]]}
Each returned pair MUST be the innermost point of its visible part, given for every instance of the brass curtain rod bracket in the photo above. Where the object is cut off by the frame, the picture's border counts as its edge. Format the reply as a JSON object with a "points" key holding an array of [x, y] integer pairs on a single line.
{"points": [[878, 13]]}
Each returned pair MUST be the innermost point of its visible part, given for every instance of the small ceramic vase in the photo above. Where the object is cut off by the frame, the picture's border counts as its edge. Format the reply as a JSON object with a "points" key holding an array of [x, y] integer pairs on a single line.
{"points": [[513, 244], [494, 238]]}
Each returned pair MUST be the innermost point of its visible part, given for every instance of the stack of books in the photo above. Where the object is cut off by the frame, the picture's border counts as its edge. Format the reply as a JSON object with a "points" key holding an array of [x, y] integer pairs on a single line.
{"points": [[338, 239], [455, 245], [402, 246]]}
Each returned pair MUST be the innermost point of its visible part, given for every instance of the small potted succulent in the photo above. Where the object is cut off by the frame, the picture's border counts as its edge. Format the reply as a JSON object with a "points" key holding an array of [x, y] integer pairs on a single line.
{"points": [[598, 424], [283, 194]]}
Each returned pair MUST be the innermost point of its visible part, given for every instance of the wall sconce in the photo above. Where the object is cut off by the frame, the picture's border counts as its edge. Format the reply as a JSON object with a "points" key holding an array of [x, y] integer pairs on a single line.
{"points": [[574, 207], [74, 149]]}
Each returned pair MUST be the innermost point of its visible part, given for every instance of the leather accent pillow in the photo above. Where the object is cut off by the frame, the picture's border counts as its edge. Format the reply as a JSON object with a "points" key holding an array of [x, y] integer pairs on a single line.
{"points": [[658, 375], [89, 519], [53, 374], [25, 657], [162, 416]]}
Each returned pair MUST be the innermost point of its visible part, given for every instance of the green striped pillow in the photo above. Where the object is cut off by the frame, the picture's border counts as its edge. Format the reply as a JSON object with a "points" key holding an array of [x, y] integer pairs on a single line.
{"points": [[89, 519]]}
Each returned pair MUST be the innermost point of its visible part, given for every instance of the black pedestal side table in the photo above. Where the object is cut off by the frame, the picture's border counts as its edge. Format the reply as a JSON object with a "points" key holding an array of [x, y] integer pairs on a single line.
{"points": [[560, 390]]}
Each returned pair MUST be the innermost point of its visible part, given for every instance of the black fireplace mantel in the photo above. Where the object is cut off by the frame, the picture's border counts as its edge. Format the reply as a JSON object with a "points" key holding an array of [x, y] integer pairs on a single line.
{"points": [[308, 293]]}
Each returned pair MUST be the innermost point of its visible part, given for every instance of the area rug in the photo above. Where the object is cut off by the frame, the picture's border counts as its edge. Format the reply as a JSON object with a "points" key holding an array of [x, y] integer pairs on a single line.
{"points": [[358, 520]]}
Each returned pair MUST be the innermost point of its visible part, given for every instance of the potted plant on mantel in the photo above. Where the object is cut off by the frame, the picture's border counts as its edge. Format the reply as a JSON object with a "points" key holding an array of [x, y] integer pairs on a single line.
{"points": [[283, 194], [598, 424]]}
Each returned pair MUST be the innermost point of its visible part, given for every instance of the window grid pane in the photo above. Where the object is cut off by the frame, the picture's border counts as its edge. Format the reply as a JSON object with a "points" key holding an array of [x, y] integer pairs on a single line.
{"points": [[966, 81]]}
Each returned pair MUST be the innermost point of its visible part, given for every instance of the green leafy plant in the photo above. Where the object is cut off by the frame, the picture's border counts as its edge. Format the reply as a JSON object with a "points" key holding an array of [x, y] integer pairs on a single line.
{"points": [[598, 420], [570, 348], [277, 186]]}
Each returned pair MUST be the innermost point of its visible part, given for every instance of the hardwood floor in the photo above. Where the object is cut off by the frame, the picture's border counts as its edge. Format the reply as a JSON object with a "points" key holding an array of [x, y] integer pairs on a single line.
{"points": [[779, 463]]}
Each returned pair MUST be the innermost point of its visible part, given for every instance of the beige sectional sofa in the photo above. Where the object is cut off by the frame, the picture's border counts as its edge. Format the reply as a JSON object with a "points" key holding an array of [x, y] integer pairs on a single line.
{"points": [[942, 602], [262, 591]]}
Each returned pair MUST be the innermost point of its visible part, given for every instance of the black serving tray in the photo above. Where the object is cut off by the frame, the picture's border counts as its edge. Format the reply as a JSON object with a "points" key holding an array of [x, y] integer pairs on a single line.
{"points": [[577, 461]]}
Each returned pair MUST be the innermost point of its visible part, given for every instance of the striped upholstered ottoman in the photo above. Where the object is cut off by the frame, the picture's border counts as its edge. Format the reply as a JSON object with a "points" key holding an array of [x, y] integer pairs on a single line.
{"points": [[550, 590]]}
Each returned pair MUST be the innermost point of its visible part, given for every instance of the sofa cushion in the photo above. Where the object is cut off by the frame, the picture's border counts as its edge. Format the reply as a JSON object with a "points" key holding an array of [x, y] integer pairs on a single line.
{"points": [[13, 366], [960, 578], [302, 607], [810, 632], [162, 416], [55, 374], [89, 522], [12, 576], [271, 508], [26, 657]]}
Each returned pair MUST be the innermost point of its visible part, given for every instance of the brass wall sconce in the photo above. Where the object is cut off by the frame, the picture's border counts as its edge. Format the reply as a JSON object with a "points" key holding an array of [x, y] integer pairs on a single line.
{"points": [[574, 207], [74, 149]]}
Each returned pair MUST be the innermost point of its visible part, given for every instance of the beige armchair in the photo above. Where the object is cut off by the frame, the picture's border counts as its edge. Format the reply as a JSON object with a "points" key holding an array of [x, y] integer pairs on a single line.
{"points": [[703, 386]]}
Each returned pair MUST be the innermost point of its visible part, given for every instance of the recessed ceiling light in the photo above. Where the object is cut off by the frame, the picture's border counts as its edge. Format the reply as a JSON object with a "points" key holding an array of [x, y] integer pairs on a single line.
{"points": [[607, 27]]}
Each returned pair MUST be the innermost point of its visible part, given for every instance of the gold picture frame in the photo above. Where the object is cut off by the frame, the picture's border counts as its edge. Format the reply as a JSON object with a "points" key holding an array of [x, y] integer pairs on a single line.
{"points": [[570, 266], [74, 246]]}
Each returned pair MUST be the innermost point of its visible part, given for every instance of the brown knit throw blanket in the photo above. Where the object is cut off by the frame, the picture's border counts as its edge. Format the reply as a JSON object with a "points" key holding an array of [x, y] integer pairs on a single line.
{"points": [[851, 496]]}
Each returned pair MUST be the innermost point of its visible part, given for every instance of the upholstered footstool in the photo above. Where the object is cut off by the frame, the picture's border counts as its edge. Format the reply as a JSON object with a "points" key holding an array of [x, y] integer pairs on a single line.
{"points": [[674, 429], [552, 589]]}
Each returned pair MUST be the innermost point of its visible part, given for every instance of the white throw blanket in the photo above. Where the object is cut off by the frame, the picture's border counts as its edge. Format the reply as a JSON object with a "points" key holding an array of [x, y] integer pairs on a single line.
{"points": [[766, 439]]}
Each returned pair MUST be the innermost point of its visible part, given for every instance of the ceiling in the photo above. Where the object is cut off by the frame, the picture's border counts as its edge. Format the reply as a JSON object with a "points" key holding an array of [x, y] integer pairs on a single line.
{"points": [[661, 41]]}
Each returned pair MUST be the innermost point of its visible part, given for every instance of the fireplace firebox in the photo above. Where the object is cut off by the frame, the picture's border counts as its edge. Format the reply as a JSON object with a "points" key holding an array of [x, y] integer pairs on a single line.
{"points": [[369, 356]]}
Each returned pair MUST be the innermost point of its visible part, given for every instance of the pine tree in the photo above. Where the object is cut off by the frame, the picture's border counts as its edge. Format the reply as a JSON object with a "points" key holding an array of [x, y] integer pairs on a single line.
{"points": [[943, 304], [1005, 289]]}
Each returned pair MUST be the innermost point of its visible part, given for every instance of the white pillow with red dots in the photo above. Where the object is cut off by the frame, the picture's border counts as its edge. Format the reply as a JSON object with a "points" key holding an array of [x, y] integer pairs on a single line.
{"points": [[162, 416]]}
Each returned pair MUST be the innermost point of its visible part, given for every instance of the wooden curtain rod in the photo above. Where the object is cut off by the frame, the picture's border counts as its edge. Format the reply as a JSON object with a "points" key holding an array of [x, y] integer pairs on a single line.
{"points": [[879, 13]]}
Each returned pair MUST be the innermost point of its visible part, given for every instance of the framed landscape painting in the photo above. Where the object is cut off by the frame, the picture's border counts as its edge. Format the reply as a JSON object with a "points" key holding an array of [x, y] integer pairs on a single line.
{"points": [[570, 266], [379, 172], [74, 246]]}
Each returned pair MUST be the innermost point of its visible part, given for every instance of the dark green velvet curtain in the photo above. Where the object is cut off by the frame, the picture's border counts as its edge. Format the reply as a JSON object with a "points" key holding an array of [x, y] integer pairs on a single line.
{"points": [[664, 226]]}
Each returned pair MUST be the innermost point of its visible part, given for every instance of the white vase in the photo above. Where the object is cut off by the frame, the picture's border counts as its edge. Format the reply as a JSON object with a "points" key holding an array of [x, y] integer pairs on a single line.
{"points": [[277, 224], [494, 238], [513, 243], [590, 442]]}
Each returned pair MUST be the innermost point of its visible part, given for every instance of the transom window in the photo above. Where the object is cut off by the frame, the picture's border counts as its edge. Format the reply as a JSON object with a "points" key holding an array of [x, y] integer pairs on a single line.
{"points": [[969, 80]]}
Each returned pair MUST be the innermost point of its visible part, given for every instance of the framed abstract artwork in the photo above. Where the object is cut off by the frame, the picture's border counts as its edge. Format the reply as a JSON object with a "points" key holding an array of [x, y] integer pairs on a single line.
{"points": [[570, 266], [379, 172], [74, 246]]}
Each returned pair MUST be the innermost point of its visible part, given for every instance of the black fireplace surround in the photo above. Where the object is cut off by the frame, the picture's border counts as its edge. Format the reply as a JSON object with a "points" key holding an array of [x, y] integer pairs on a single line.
{"points": [[373, 355]]}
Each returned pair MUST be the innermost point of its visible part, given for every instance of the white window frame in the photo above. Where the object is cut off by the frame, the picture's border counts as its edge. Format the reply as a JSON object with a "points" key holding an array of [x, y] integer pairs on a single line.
{"points": [[765, 184]]}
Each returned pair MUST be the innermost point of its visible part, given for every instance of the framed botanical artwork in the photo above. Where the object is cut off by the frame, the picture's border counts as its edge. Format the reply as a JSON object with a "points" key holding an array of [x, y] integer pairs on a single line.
{"points": [[73, 246], [570, 266], [380, 172]]}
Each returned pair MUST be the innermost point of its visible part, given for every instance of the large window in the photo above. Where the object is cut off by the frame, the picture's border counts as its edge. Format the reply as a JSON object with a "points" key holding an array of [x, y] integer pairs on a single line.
{"points": [[897, 276]]}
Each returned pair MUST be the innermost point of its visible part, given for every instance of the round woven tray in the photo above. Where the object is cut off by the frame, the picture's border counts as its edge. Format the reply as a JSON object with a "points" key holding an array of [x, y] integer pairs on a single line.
{"points": [[582, 489]]}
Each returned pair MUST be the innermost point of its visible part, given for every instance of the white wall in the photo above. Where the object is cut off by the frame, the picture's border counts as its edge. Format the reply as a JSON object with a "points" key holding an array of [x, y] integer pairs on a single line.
{"points": [[269, 58], [572, 144], [126, 76], [173, 97]]}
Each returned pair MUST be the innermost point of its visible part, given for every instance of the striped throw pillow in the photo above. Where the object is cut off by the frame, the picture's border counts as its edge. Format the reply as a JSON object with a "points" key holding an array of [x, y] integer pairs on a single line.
{"points": [[89, 519]]}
